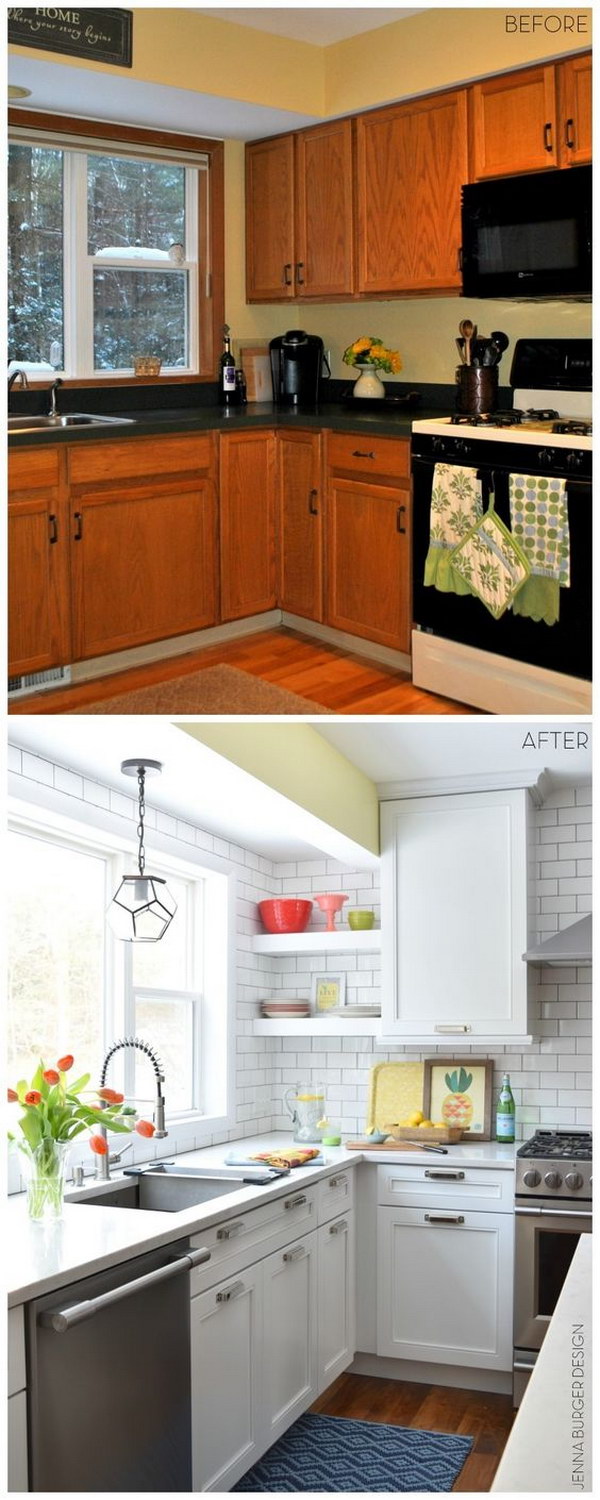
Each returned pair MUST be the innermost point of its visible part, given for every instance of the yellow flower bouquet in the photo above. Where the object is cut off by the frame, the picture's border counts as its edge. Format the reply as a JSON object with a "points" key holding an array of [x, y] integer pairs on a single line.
{"points": [[374, 354]]}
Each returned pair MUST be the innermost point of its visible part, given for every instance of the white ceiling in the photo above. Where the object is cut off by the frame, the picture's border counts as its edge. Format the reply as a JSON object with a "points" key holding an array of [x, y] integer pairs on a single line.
{"points": [[321, 27], [418, 749]]}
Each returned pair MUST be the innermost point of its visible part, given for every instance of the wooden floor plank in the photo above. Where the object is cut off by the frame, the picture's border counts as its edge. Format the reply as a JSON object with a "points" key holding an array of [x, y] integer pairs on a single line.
{"points": [[344, 682]]}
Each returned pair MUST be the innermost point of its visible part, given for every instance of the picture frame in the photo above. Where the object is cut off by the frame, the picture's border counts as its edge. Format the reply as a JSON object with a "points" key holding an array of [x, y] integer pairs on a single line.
{"points": [[466, 1078], [328, 992]]}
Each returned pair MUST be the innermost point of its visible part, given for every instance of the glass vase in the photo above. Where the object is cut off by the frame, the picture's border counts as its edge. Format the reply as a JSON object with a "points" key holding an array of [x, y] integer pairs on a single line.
{"points": [[44, 1172]]}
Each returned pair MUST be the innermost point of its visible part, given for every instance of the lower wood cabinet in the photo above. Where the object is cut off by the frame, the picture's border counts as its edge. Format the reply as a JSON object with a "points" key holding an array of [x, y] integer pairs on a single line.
{"points": [[39, 633], [368, 588], [300, 499], [247, 524]]}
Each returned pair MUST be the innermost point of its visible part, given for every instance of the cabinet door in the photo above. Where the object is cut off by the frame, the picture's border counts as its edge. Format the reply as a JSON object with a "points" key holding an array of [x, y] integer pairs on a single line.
{"points": [[226, 1363], [248, 583], [411, 164], [16, 1444], [575, 111], [454, 916], [444, 1287], [289, 1351], [143, 563], [300, 524], [337, 1313], [514, 123], [270, 232], [324, 260], [38, 584], [368, 561]]}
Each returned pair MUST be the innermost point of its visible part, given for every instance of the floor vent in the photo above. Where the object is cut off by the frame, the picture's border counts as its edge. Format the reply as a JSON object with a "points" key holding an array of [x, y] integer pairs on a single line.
{"points": [[32, 681]]}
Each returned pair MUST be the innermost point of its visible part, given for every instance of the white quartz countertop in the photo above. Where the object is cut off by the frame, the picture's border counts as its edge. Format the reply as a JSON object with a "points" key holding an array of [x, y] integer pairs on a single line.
{"points": [[40, 1257], [550, 1446]]}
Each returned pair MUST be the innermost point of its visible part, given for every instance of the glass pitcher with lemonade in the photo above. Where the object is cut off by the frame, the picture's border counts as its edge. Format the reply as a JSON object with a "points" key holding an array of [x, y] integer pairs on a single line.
{"points": [[306, 1104]]}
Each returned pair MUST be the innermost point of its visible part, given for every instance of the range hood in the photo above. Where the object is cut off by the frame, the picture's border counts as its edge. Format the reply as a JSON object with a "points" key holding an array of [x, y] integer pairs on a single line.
{"points": [[571, 946]]}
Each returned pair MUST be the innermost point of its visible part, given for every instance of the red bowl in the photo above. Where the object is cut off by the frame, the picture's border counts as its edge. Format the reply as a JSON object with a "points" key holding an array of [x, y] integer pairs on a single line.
{"points": [[285, 915]]}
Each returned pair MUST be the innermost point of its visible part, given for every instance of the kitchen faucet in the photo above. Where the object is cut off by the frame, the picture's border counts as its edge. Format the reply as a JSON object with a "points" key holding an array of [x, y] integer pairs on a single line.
{"points": [[103, 1163], [17, 375], [52, 409]]}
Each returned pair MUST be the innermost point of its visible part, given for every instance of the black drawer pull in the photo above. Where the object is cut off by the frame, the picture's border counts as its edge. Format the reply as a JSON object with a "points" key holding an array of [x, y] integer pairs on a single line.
{"points": [[357, 453], [548, 137], [287, 280], [401, 511], [53, 524], [312, 505], [569, 134], [78, 519], [299, 268]]}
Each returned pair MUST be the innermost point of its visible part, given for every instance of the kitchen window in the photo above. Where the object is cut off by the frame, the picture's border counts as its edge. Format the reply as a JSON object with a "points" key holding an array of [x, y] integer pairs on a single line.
{"points": [[110, 251], [73, 987]]}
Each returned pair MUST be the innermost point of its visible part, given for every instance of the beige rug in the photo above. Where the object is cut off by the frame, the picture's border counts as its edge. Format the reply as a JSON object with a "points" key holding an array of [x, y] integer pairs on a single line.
{"points": [[217, 690]]}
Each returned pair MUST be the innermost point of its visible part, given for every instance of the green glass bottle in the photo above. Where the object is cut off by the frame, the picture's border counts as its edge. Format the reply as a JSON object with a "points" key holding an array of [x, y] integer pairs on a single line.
{"points": [[505, 1113]]}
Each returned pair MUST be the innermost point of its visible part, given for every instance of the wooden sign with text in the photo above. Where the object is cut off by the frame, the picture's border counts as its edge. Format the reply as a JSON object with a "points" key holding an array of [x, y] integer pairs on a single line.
{"points": [[101, 34]]}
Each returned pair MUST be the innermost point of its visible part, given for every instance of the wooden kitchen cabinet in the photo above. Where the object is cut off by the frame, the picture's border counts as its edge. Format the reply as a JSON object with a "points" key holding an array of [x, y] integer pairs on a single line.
{"points": [[300, 498], [532, 120], [247, 524], [38, 562], [368, 590], [290, 1334], [411, 164], [336, 1341], [226, 1364], [299, 228], [452, 963], [143, 526]]}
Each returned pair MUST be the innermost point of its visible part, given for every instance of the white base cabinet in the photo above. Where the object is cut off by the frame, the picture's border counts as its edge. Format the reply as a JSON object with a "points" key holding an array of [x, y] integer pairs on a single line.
{"points": [[337, 1299], [226, 1340], [16, 1442], [289, 1335]]}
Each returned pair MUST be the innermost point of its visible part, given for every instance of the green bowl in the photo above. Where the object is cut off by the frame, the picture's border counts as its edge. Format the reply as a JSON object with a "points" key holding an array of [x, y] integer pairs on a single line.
{"points": [[360, 921]]}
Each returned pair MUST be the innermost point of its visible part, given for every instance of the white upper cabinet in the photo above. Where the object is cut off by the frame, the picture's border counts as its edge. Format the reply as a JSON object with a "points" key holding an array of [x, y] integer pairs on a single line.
{"points": [[454, 907]]}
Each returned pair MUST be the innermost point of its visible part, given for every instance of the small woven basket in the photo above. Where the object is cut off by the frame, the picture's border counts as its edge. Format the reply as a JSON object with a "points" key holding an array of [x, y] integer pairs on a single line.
{"points": [[146, 364]]}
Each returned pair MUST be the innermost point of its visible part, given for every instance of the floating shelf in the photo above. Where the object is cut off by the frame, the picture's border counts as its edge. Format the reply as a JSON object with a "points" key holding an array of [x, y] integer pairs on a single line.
{"points": [[344, 941], [318, 1026]]}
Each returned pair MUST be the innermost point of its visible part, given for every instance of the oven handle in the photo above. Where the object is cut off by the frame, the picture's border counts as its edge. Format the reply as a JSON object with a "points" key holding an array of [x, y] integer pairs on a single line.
{"points": [[555, 1213]]}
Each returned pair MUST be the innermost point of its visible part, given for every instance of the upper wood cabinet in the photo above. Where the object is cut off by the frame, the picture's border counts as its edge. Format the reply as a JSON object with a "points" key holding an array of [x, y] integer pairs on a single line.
{"points": [[299, 230], [411, 164], [532, 120]]}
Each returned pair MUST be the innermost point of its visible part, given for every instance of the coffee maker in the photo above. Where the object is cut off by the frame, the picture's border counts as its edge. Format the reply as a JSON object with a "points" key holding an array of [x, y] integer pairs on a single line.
{"points": [[296, 359]]}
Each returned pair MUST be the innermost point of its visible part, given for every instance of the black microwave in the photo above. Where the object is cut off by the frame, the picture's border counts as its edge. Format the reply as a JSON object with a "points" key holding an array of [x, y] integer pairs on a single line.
{"points": [[528, 236]]}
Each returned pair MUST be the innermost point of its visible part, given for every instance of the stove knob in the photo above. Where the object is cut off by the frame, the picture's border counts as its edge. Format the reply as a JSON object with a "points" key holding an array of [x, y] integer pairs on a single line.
{"points": [[574, 1180], [437, 445], [461, 447], [531, 1178], [574, 459], [553, 1179]]}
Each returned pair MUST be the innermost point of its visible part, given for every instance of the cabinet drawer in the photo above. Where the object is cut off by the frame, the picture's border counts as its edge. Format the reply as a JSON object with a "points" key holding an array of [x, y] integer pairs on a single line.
{"points": [[106, 462], [16, 1350], [360, 453], [240, 1240], [452, 1186], [33, 468], [335, 1195]]}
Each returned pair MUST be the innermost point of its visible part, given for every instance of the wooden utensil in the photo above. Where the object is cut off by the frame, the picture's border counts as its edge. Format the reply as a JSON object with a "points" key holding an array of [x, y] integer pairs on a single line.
{"points": [[468, 330]]}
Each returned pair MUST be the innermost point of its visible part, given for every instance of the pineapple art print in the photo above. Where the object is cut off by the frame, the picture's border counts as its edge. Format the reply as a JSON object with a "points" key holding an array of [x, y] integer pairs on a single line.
{"points": [[457, 1107]]}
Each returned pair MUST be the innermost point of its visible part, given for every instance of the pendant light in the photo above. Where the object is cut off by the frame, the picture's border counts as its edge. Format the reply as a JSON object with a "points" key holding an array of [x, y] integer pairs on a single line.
{"points": [[143, 907]]}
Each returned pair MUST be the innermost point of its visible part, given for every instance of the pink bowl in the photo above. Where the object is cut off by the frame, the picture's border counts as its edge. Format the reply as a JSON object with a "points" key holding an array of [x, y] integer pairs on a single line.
{"points": [[285, 915]]}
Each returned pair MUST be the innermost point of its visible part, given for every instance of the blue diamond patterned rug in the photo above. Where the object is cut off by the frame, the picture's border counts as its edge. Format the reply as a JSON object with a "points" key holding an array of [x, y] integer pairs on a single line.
{"points": [[338, 1454]]}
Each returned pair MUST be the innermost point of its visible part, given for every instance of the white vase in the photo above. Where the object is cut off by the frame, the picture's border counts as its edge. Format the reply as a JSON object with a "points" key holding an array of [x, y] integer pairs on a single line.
{"points": [[368, 383]]}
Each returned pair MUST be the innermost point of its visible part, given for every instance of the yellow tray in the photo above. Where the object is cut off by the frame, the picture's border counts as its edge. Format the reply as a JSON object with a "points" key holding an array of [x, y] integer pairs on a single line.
{"points": [[395, 1090]]}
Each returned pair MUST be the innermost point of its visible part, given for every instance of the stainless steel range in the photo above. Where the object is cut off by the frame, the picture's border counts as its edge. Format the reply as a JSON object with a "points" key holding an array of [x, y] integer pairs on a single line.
{"points": [[520, 662], [553, 1206]]}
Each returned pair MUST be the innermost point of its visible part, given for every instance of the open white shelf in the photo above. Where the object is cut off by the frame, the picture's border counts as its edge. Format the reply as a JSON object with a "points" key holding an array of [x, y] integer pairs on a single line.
{"points": [[318, 1026], [344, 941]]}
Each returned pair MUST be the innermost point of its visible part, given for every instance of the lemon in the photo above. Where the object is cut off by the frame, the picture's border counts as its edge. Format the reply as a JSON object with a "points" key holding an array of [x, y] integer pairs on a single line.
{"points": [[426, 1125], [416, 1117]]}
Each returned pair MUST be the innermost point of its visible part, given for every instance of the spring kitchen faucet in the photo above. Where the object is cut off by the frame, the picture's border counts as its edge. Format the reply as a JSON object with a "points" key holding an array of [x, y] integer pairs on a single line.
{"points": [[103, 1163]]}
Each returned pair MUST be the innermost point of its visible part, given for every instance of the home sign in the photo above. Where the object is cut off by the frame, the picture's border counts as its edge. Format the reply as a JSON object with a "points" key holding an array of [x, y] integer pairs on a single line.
{"points": [[102, 34]]}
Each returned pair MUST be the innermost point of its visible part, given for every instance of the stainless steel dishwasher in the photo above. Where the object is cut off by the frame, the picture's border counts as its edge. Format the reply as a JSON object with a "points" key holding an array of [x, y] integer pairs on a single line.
{"points": [[109, 1378]]}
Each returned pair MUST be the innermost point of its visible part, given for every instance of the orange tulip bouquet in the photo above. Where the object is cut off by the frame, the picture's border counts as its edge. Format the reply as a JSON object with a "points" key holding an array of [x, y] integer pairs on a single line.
{"points": [[54, 1114]]}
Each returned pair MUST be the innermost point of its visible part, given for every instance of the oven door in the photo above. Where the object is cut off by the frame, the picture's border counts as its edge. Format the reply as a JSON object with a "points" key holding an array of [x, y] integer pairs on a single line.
{"points": [[565, 647], [545, 1243]]}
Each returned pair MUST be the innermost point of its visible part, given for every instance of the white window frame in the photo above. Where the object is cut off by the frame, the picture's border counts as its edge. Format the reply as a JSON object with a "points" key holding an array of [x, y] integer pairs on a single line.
{"points": [[79, 266]]}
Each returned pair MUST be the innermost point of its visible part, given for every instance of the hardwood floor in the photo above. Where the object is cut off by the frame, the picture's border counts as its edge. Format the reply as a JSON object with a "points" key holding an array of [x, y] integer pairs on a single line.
{"points": [[342, 681], [485, 1417]]}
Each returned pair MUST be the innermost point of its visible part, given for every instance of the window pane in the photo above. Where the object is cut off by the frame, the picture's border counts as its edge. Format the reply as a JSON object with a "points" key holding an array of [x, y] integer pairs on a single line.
{"points": [[134, 203], [139, 312], [35, 254], [56, 955], [163, 965], [168, 1026]]}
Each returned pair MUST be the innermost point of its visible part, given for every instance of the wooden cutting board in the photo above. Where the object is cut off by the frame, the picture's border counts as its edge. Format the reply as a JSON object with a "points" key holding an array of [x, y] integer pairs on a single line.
{"points": [[395, 1090]]}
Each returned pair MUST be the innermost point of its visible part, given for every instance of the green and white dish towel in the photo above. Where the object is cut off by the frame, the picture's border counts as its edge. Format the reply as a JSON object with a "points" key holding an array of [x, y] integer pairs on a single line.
{"points": [[456, 504], [491, 562], [540, 523]]}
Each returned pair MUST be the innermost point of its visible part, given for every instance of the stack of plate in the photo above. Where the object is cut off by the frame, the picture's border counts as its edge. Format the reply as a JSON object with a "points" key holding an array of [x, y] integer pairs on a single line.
{"points": [[282, 1009], [350, 1011]]}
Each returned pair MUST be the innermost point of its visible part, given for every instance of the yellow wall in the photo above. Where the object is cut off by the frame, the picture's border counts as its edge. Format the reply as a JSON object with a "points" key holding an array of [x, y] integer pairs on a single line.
{"points": [[296, 761]]}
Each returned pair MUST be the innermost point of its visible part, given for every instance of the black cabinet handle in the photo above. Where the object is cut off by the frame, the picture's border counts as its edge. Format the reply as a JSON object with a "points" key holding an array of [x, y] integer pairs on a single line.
{"points": [[287, 280], [53, 524], [78, 519], [357, 453], [569, 134], [313, 508], [459, 258], [401, 511], [299, 268], [548, 136]]}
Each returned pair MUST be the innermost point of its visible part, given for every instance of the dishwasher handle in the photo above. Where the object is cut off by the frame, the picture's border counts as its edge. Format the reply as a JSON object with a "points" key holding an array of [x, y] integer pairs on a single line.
{"points": [[60, 1319]]}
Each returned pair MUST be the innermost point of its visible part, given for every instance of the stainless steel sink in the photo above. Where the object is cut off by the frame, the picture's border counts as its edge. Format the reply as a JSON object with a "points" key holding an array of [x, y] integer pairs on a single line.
{"points": [[159, 1191], [71, 419]]}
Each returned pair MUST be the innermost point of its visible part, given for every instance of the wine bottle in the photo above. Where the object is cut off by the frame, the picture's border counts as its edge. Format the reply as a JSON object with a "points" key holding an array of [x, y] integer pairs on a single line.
{"points": [[227, 390], [505, 1112]]}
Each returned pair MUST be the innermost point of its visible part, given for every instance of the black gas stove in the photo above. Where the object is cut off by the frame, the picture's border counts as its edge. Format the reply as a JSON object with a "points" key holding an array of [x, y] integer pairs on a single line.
{"points": [[562, 1165]]}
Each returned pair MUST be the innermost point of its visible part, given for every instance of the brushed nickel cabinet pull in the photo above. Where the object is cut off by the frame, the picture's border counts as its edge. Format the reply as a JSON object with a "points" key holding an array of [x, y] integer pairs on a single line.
{"points": [[335, 1182], [444, 1218], [231, 1292], [296, 1202], [548, 136], [340, 1228], [449, 1029], [228, 1231], [292, 1255], [443, 1176]]}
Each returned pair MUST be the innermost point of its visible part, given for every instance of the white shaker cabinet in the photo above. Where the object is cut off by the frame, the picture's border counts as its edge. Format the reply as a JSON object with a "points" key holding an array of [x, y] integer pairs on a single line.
{"points": [[336, 1339], [456, 871], [226, 1340], [16, 1432], [290, 1328]]}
